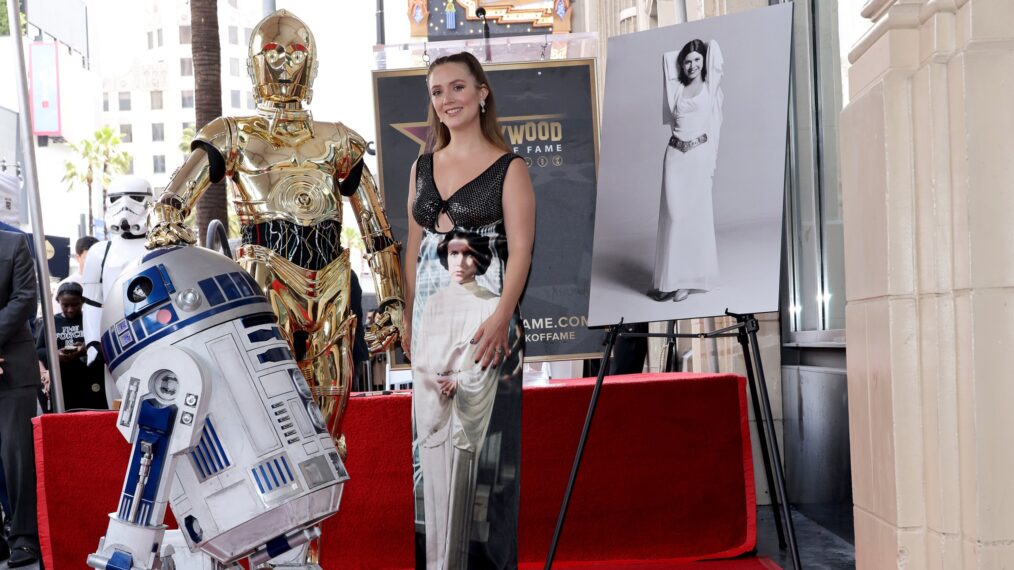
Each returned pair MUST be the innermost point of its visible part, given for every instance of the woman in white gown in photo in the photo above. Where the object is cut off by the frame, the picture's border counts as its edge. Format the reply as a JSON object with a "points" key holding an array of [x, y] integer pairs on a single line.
{"points": [[686, 258]]}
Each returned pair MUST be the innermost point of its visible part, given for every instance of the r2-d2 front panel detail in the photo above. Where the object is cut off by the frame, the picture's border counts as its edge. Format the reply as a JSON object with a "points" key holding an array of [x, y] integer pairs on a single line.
{"points": [[222, 422]]}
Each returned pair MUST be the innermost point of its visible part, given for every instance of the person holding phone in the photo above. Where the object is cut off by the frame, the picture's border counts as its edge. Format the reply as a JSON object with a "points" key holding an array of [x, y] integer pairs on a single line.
{"points": [[83, 385]]}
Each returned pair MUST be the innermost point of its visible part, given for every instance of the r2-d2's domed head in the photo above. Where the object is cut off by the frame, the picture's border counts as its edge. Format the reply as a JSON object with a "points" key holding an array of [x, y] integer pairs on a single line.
{"points": [[127, 206], [173, 293]]}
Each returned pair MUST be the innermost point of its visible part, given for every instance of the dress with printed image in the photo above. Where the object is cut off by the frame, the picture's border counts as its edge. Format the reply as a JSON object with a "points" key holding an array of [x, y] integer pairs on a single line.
{"points": [[467, 445], [686, 258]]}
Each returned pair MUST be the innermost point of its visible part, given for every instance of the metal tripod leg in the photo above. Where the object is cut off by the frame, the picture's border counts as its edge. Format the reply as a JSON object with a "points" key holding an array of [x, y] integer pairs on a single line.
{"points": [[744, 341], [613, 333], [752, 358]]}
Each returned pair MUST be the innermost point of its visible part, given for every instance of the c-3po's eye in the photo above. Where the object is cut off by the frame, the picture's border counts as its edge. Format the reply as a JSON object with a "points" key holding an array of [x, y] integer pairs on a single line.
{"points": [[268, 47]]}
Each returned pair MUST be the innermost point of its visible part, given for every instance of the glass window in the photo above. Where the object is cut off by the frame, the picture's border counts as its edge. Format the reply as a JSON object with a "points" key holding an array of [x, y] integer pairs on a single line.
{"points": [[234, 35], [159, 32], [124, 100], [187, 98], [188, 125], [247, 32], [186, 66], [184, 35], [250, 102], [130, 165], [234, 66], [156, 100], [234, 3], [814, 240], [151, 40], [235, 99], [105, 101], [158, 163], [157, 132], [126, 133]]}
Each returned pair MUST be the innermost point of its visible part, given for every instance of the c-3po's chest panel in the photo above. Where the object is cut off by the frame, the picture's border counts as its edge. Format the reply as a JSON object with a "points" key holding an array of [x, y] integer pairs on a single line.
{"points": [[287, 179]]}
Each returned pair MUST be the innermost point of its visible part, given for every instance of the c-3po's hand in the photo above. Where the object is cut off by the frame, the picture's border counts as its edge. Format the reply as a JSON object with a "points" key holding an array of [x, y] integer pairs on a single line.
{"points": [[384, 330], [167, 227]]}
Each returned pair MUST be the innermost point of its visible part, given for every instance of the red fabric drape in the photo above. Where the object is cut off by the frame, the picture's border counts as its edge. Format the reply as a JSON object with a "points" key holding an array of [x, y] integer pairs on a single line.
{"points": [[667, 477]]}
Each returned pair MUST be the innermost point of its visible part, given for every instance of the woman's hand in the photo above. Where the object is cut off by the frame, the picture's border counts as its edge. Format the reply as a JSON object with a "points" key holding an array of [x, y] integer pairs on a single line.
{"points": [[491, 339], [447, 387], [406, 339]]}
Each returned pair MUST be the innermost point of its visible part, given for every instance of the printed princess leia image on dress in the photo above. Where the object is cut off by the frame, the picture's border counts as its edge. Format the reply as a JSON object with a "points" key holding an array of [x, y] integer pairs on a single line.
{"points": [[686, 259], [466, 418]]}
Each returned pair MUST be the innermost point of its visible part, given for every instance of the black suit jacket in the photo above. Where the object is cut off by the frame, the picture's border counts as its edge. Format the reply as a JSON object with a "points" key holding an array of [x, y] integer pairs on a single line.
{"points": [[18, 304]]}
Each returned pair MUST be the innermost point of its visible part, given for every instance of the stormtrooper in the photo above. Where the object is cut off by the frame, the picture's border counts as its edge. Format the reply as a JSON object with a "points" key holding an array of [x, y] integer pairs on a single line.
{"points": [[127, 204], [222, 424]]}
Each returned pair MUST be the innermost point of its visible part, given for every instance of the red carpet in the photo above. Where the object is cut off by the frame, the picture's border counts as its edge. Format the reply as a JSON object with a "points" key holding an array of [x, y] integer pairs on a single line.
{"points": [[737, 564], [667, 478]]}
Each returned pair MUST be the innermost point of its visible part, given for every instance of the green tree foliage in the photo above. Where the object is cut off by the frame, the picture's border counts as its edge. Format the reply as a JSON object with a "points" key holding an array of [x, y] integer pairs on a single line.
{"points": [[96, 161]]}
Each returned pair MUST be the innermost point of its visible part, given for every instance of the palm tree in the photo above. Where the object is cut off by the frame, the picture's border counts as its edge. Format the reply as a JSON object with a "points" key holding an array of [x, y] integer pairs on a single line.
{"points": [[97, 160], [185, 139], [207, 98], [5, 25]]}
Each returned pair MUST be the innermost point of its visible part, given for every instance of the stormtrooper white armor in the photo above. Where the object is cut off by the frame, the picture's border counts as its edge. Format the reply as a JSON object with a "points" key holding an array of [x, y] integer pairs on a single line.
{"points": [[126, 220], [222, 423]]}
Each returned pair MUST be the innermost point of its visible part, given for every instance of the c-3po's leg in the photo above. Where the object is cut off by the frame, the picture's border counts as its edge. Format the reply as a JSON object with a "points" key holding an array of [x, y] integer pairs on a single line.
{"points": [[332, 370], [315, 315]]}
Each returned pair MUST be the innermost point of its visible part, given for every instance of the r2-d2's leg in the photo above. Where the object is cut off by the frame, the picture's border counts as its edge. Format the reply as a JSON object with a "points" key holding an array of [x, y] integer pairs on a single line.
{"points": [[163, 401]]}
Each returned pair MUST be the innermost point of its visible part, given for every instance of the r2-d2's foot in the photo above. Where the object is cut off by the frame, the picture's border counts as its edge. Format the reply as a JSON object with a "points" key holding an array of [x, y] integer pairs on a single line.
{"points": [[294, 559]]}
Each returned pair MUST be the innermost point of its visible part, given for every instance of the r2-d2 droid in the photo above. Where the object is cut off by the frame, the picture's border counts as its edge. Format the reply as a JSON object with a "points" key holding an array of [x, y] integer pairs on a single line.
{"points": [[222, 424]]}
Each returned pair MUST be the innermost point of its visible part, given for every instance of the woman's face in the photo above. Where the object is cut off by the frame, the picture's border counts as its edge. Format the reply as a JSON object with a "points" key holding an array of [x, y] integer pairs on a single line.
{"points": [[692, 65], [455, 95], [460, 261]]}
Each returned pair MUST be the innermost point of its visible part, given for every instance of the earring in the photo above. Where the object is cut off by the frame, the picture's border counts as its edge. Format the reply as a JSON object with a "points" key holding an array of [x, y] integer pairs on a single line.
{"points": [[482, 106]]}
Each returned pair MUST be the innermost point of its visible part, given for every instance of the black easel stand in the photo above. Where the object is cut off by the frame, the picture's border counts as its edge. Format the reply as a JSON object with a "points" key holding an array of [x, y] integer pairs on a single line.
{"points": [[746, 328]]}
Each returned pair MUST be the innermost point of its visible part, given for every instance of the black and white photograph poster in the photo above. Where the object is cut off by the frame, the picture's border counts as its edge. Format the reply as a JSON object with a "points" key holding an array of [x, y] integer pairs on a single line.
{"points": [[692, 170]]}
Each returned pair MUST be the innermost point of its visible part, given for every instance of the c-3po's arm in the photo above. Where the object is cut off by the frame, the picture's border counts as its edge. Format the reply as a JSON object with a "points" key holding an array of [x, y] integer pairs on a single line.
{"points": [[381, 250], [205, 166]]}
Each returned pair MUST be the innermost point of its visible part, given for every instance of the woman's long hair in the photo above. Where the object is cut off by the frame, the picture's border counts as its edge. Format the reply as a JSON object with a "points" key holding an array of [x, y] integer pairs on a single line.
{"points": [[440, 135], [692, 46]]}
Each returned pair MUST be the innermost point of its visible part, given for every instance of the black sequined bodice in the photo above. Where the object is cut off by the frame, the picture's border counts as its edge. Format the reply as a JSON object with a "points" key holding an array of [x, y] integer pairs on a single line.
{"points": [[474, 205]]}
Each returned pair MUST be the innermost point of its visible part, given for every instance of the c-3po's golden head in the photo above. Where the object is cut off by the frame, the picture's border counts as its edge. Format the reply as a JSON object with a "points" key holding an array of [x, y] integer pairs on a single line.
{"points": [[283, 59]]}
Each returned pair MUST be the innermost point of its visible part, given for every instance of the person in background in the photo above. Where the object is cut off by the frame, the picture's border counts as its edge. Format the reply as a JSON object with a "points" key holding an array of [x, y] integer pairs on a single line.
{"points": [[81, 247], [83, 386], [19, 379]]}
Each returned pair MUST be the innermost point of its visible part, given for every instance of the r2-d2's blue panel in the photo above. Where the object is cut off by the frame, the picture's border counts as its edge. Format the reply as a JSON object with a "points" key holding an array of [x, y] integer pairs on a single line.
{"points": [[198, 356]]}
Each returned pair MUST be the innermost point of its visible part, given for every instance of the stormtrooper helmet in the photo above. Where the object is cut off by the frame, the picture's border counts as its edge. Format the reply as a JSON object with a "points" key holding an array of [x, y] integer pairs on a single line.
{"points": [[127, 206]]}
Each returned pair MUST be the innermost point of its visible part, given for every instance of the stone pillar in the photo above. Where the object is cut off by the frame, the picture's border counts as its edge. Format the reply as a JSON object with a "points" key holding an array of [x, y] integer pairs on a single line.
{"points": [[928, 187]]}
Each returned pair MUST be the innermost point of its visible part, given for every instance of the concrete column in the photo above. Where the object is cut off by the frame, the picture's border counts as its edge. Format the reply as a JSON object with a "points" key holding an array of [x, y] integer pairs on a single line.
{"points": [[927, 176]]}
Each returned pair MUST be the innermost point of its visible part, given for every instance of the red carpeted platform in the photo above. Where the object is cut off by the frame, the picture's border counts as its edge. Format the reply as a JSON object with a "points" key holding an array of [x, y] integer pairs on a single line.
{"points": [[667, 478]]}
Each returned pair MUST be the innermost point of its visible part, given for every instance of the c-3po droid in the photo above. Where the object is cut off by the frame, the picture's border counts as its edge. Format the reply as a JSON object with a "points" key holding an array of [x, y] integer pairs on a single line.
{"points": [[223, 426], [288, 174]]}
